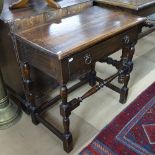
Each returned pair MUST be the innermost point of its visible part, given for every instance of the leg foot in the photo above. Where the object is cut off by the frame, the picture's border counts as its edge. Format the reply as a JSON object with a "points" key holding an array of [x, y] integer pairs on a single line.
{"points": [[68, 142], [34, 118], [124, 90], [123, 95]]}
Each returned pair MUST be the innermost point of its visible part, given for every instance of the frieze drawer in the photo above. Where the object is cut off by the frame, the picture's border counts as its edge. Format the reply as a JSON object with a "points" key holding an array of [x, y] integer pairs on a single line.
{"points": [[81, 63]]}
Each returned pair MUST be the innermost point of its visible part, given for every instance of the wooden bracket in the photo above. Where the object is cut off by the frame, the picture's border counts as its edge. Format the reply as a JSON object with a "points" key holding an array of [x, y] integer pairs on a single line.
{"points": [[23, 3]]}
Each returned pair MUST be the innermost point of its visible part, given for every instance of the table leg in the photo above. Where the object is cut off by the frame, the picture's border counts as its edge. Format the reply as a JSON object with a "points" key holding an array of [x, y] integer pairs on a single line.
{"points": [[65, 112], [28, 92], [127, 66], [92, 76], [123, 59]]}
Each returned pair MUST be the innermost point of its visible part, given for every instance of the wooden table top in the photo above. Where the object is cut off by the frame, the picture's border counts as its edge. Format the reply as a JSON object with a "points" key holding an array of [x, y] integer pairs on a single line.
{"points": [[80, 31], [130, 4]]}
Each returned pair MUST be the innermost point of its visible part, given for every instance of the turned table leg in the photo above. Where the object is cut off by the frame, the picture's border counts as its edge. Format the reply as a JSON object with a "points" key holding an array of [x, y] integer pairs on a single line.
{"points": [[92, 76], [65, 112], [28, 92], [127, 66], [123, 59]]}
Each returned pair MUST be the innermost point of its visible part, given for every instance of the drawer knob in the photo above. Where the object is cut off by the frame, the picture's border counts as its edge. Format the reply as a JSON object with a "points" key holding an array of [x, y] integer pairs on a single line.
{"points": [[126, 39], [87, 59]]}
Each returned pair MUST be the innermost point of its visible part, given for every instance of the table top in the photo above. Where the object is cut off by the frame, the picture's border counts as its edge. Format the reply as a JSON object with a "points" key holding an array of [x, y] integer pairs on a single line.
{"points": [[130, 4], [80, 31]]}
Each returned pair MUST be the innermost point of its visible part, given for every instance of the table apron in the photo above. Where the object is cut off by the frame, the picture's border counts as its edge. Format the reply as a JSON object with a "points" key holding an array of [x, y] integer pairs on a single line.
{"points": [[77, 64]]}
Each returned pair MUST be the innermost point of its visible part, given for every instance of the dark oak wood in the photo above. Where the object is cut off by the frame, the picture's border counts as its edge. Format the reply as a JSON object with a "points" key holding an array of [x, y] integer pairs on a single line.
{"points": [[143, 8], [126, 62], [62, 45], [23, 19], [28, 86], [138, 7], [91, 35], [129, 4], [50, 35], [52, 48]]}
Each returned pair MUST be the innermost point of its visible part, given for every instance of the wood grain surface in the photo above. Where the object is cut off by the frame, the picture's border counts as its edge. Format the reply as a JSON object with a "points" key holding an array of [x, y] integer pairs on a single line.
{"points": [[79, 31], [131, 4]]}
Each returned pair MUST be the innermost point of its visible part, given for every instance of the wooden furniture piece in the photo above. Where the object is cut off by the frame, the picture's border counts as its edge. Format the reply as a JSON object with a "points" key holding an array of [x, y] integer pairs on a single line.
{"points": [[23, 3], [144, 8], [18, 20], [134, 5], [68, 50]]}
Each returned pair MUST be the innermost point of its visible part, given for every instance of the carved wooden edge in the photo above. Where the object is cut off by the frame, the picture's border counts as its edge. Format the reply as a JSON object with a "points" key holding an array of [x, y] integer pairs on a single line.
{"points": [[23, 3], [118, 4], [132, 5]]}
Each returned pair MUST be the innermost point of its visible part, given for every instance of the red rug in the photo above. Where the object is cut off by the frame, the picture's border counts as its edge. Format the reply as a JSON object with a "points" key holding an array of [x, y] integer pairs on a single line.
{"points": [[132, 132]]}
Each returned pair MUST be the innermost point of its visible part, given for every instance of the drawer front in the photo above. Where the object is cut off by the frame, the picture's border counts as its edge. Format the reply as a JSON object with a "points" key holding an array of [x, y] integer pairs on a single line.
{"points": [[81, 63]]}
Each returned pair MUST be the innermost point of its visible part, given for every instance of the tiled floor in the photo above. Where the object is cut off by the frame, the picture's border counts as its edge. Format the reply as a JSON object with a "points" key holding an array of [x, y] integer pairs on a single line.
{"points": [[94, 113]]}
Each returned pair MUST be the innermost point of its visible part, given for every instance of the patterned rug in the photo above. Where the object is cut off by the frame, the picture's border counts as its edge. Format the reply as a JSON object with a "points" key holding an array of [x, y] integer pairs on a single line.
{"points": [[132, 132]]}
